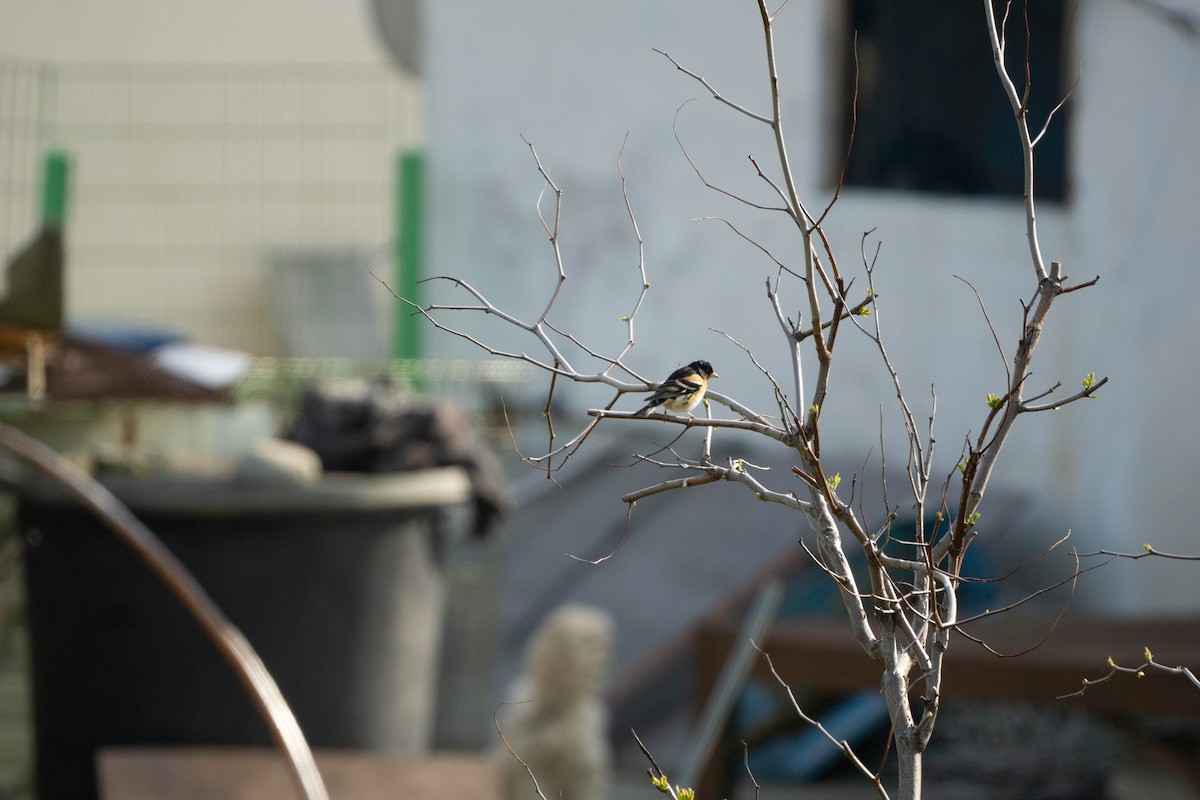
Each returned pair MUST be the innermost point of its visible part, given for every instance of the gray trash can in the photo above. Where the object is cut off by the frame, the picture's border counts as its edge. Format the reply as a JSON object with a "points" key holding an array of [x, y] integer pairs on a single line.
{"points": [[335, 585]]}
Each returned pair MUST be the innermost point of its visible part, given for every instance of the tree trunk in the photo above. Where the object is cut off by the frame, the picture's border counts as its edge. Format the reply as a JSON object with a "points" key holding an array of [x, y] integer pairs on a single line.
{"points": [[908, 757]]}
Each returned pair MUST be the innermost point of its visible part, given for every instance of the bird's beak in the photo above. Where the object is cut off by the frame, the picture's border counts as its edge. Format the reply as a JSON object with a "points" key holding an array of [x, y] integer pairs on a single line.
{"points": [[715, 375]]}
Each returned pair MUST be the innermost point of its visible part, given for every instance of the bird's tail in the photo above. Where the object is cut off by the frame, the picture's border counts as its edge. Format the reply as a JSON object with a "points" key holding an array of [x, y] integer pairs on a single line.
{"points": [[644, 411]]}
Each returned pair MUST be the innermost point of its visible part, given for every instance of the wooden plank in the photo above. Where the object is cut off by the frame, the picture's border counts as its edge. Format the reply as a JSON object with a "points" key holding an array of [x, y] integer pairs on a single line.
{"points": [[251, 773], [824, 656]]}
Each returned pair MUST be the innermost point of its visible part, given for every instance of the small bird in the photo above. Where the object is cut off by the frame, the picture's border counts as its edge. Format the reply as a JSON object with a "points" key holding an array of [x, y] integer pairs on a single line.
{"points": [[682, 390]]}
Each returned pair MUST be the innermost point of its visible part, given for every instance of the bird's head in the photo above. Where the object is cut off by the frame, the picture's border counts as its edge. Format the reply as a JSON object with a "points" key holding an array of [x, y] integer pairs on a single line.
{"points": [[704, 369]]}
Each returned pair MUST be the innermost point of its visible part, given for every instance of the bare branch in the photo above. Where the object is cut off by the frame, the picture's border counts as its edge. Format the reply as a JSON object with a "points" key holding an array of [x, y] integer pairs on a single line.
{"points": [[715, 94], [548, 413], [736, 472], [1020, 114], [916, 465], [486, 307], [837, 191], [637, 306], [611, 361], [840, 744], [775, 187], [1139, 671], [785, 407], [567, 449], [655, 772], [783, 267], [1071, 579], [1020, 566], [992, 329], [688, 156], [764, 428], [779, 10], [796, 361], [745, 747], [615, 547], [1090, 391], [1149, 552], [1055, 110], [508, 747], [708, 436], [801, 216], [551, 231], [1078, 286]]}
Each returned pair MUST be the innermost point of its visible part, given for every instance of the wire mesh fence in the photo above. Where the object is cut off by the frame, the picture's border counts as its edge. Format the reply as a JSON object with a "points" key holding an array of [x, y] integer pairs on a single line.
{"points": [[240, 205], [236, 205]]}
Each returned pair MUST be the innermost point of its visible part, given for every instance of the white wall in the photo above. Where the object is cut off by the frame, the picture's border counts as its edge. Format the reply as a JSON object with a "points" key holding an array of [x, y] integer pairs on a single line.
{"points": [[575, 78], [321, 31], [1135, 223]]}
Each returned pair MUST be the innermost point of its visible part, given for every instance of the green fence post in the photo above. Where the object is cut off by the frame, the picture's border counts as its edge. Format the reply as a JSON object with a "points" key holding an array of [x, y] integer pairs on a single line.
{"points": [[54, 190], [410, 251]]}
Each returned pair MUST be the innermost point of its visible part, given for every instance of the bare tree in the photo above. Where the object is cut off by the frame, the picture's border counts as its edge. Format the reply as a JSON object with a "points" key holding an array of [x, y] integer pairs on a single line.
{"points": [[904, 612]]}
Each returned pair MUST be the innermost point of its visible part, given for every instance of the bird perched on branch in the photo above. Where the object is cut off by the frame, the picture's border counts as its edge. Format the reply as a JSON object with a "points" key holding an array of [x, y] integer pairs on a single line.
{"points": [[682, 390]]}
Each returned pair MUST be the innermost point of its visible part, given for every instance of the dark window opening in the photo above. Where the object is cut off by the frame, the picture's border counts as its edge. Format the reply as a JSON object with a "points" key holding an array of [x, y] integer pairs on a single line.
{"points": [[932, 116]]}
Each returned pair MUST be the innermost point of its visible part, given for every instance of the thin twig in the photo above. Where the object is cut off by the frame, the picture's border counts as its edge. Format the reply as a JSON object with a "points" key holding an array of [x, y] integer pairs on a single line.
{"points": [[496, 721], [837, 191], [1140, 671], [1020, 114], [615, 547], [637, 233], [655, 771], [715, 94], [991, 328], [691, 163], [780, 395], [661, 416], [746, 751], [551, 230], [1057, 107], [1088, 392], [840, 744], [1149, 551], [783, 267]]}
